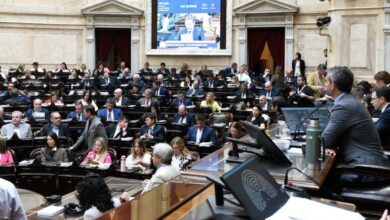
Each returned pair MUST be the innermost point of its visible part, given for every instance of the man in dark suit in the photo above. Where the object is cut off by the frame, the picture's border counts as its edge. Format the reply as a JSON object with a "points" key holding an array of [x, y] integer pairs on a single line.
{"points": [[380, 99], [108, 80], [121, 130], [158, 90], [110, 113], [37, 112], [163, 70], [151, 131], [244, 93], [183, 116], [268, 91], [264, 104], [87, 82], [200, 132], [210, 82], [137, 80], [350, 131], [231, 70], [195, 90], [60, 129], [120, 100], [77, 113], [146, 69], [93, 129], [181, 99], [290, 79], [122, 67]]}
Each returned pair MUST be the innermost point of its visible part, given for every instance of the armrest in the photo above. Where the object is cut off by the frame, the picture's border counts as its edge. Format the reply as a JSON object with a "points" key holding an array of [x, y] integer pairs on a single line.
{"points": [[365, 170]]}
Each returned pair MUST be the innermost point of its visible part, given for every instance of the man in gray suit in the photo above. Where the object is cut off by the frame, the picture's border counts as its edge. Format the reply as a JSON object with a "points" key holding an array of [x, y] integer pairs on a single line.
{"points": [[23, 130], [93, 129], [350, 131]]}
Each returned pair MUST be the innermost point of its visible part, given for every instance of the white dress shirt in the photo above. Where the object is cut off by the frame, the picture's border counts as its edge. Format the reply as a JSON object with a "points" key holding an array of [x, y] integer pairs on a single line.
{"points": [[10, 204], [198, 135]]}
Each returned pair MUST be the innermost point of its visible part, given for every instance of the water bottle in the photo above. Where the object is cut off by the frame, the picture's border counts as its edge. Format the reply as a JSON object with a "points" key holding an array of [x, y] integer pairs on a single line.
{"points": [[123, 163], [313, 145]]}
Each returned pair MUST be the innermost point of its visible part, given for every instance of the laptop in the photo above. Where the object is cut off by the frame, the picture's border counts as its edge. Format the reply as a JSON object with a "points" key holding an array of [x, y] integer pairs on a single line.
{"points": [[269, 147]]}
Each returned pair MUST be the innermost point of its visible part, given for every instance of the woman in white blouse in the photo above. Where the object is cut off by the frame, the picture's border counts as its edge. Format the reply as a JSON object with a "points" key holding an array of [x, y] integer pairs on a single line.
{"points": [[181, 155], [87, 99], [139, 156]]}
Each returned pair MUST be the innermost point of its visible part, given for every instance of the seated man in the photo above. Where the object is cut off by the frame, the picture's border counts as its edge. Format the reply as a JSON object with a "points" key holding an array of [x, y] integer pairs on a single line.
{"points": [[158, 90], [60, 129], [350, 131], [125, 76], [108, 80], [110, 113], [77, 113], [268, 91], [163, 70], [195, 90], [265, 104], [184, 117], [137, 80], [37, 112], [23, 130], [181, 99], [210, 82], [380, 99], [121, 130], [151, 131], [148, 100], [200, 132], [244, 93], [87, 82], [162, 157], [120, 100]]}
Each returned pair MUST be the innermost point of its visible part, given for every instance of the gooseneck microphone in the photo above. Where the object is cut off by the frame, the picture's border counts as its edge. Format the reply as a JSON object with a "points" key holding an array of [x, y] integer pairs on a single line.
{"points": [[299, 125]]}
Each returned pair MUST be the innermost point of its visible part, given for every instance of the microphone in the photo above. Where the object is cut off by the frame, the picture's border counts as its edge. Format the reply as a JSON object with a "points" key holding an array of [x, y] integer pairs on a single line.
{"points": [[299, 125]]}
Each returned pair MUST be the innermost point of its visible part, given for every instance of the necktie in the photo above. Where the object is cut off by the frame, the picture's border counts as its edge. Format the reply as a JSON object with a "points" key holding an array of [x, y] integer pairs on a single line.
{"points": [[181, 120], [87, 83], [119, 134], [80, 118], [150, 131], [268, 95], [210, 84], [110, 116], [106, 81], [147, 102]]}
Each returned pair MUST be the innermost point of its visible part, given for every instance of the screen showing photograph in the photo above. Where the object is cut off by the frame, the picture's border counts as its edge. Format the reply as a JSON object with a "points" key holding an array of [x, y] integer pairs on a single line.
{"points": [[188, 24]]}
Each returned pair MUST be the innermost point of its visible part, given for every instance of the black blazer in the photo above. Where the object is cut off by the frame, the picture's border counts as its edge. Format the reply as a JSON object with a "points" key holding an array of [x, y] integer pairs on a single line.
{"points": [[302, 67], [158, 132], [63, 130], [110, 130], [258, 121]]}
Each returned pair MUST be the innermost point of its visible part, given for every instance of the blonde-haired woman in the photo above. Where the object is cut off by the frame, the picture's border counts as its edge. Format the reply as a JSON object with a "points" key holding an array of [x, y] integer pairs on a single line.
{"points": [[181, 155], [139, 156], [98, 154], [210, 103]]}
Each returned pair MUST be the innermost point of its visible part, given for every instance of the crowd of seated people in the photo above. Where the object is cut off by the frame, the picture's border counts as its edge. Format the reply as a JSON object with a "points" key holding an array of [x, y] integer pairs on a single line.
{"points": [[158, 101]]}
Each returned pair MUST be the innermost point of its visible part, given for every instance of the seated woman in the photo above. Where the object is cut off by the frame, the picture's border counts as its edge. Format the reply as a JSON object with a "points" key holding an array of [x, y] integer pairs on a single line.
{"points": [[73, 76], [98, 154], [235, 131], [181, 155], [87, 99], [256, 117], [154, 108], [211, 103], [276, 114], [187, 83], [5, 153], [95, 197], [53, 151], [54, 99], [139, 156]]}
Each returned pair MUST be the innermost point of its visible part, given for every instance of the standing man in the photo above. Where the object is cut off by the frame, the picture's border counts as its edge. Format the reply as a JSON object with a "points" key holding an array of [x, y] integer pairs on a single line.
{"points": [[10, 205], [380, 99], [316, 80], [350, 131], [93, 129]]}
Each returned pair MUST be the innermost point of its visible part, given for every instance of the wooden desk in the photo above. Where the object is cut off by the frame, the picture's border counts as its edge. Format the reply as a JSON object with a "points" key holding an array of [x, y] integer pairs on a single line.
{"points": [[216, 162], [129, 185]]}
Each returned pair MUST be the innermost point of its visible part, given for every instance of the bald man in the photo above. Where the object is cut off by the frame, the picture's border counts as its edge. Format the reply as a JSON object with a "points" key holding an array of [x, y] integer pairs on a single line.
{"points": [[183, 116], [37, 112], [268, 91], [23, 130], [55, 125]]}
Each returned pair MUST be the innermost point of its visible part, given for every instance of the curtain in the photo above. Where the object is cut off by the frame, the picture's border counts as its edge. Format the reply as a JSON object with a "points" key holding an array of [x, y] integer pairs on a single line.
{"points": [[122, 45], [104, 40], [275, 41], [256, 42]]}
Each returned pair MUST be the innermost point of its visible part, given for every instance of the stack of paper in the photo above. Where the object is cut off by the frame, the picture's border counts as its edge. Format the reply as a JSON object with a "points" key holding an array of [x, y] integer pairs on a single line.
{"points": [[50, 211]]}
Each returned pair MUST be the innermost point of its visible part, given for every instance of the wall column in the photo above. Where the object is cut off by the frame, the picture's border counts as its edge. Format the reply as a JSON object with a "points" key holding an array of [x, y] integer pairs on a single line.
{"points": [[242, 42], [289, 42], [134, 42], [386, 31], [91, 47]]}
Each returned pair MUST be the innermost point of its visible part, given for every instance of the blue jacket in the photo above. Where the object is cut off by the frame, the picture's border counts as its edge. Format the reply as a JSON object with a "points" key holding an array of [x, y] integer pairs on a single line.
{"points": [[197, 92], [383, 127], [190, 118], [186, 102], [74, 114], [30, 112], [158, 132], [103, 113], [163, 91], [208, 134], [113, 81]]}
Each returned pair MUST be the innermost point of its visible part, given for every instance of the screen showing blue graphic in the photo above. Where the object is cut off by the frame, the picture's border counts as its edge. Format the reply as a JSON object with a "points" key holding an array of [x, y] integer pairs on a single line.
{"points": [[188, 24]]}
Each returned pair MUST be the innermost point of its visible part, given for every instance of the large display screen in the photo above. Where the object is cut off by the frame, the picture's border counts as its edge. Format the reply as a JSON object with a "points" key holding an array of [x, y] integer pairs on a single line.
{"points": [[188, 24]]}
